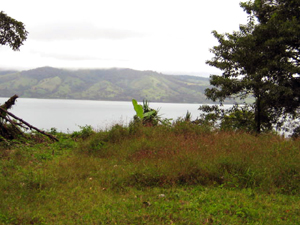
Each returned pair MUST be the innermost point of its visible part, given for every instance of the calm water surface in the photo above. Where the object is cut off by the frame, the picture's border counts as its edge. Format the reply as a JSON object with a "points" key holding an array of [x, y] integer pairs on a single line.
{"points": [[68, 115]]}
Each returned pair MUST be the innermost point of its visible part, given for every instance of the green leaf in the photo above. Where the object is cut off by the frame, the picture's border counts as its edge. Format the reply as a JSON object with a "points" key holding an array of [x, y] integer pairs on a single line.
{"points": [[149, 114], [138, 109]]}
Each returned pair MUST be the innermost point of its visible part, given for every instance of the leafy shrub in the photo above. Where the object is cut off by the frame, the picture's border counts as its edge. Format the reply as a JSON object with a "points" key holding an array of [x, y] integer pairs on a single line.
{"points": [[117, 133], [98, 142], [94, 144], [135, 127], [85, 132], [239, 119]]}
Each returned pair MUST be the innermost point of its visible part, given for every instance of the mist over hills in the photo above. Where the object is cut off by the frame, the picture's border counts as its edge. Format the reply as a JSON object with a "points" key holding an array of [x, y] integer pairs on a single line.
{"points": [[103, 84]]}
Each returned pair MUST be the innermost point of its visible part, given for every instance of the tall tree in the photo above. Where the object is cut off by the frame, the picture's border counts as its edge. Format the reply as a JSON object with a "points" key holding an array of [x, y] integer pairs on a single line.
{"points": [[12, 32], [261, 60], [279, 29]]}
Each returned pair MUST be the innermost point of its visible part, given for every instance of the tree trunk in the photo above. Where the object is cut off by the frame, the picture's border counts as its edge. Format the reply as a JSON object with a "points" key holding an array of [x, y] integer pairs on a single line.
{"points": [[258, 114]]}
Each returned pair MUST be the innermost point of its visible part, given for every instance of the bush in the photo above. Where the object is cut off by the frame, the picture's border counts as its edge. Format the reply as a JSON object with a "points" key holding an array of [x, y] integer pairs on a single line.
{"points": [[85, 132], [117, 133]]}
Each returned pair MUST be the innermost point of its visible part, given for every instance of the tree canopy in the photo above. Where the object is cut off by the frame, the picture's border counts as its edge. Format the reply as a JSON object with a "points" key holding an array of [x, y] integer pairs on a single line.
{"points": [[12, 32], [261, 60]]}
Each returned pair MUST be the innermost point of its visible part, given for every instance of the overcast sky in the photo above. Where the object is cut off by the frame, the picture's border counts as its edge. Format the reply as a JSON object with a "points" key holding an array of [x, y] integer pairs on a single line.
{"points": [[168, 36]]}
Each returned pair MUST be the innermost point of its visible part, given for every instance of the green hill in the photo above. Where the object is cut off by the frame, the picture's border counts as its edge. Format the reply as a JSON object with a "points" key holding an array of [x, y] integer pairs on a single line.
{"points": [[103, 84]]}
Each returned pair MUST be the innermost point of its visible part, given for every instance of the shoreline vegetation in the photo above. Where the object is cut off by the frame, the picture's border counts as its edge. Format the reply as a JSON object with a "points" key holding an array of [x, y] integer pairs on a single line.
{"points": [[180, 173]]}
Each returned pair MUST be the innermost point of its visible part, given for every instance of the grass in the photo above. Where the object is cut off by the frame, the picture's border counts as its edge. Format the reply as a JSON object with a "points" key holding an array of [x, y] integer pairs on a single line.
{"points": [[181, 174]]}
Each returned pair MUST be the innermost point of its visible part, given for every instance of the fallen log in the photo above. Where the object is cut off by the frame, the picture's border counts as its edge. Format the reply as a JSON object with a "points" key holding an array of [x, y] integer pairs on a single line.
{"points": [[4, 116], [28, 125]]}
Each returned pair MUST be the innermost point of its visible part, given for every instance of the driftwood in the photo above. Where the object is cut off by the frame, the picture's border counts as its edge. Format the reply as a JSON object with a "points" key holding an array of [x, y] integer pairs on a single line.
{"points": [[9, 132]]}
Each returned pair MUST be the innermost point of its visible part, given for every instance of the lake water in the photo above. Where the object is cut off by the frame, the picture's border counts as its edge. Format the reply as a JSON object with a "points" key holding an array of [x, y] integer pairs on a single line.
{"points": [[68, 115]]}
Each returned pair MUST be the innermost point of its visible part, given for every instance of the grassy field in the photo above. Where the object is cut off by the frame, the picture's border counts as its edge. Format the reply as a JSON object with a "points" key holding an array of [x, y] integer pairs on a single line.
{"points": [[181, 174]]}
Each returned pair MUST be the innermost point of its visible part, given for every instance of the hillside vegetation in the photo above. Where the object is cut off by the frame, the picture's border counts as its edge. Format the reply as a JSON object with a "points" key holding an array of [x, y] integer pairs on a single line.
{"points": [[104, 84]]}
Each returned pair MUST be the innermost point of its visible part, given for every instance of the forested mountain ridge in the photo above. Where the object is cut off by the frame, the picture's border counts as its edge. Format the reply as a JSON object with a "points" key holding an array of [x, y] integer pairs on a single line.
{"points": [[103, 84]]}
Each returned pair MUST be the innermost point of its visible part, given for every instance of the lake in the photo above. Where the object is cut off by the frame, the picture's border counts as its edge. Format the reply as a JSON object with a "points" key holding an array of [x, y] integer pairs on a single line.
{"points": [[68, 115]]}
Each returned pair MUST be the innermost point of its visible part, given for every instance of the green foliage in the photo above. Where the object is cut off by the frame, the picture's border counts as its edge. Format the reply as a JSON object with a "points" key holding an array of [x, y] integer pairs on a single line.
{"points": [[97, 143], [151, 117], [117, 134], [13, 32], [85, 132], [138, 109], [239, 119], [188, 116], [188, 129], [236, 118], [261, 60], [147, 116]]}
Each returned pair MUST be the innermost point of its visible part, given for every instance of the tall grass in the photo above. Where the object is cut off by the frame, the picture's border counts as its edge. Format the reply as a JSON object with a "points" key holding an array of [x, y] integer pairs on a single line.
{"points": [[186, 154], [183, 174]]}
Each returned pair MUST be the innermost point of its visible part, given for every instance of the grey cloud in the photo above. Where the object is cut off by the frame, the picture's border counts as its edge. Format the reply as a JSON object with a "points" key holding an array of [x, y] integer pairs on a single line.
{"points": [[74, 57], [75, 31], [68, 56]]}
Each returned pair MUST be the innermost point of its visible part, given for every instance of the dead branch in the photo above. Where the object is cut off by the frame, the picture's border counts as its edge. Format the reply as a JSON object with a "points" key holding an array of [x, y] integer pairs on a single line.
{"points": [[10, 102], [27, 124], [14, 125]]}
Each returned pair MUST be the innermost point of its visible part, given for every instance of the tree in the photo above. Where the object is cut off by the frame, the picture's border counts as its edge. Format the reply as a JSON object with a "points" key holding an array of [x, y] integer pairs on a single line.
{"points": [[12, 32], [280, 29], [261, 60]]}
